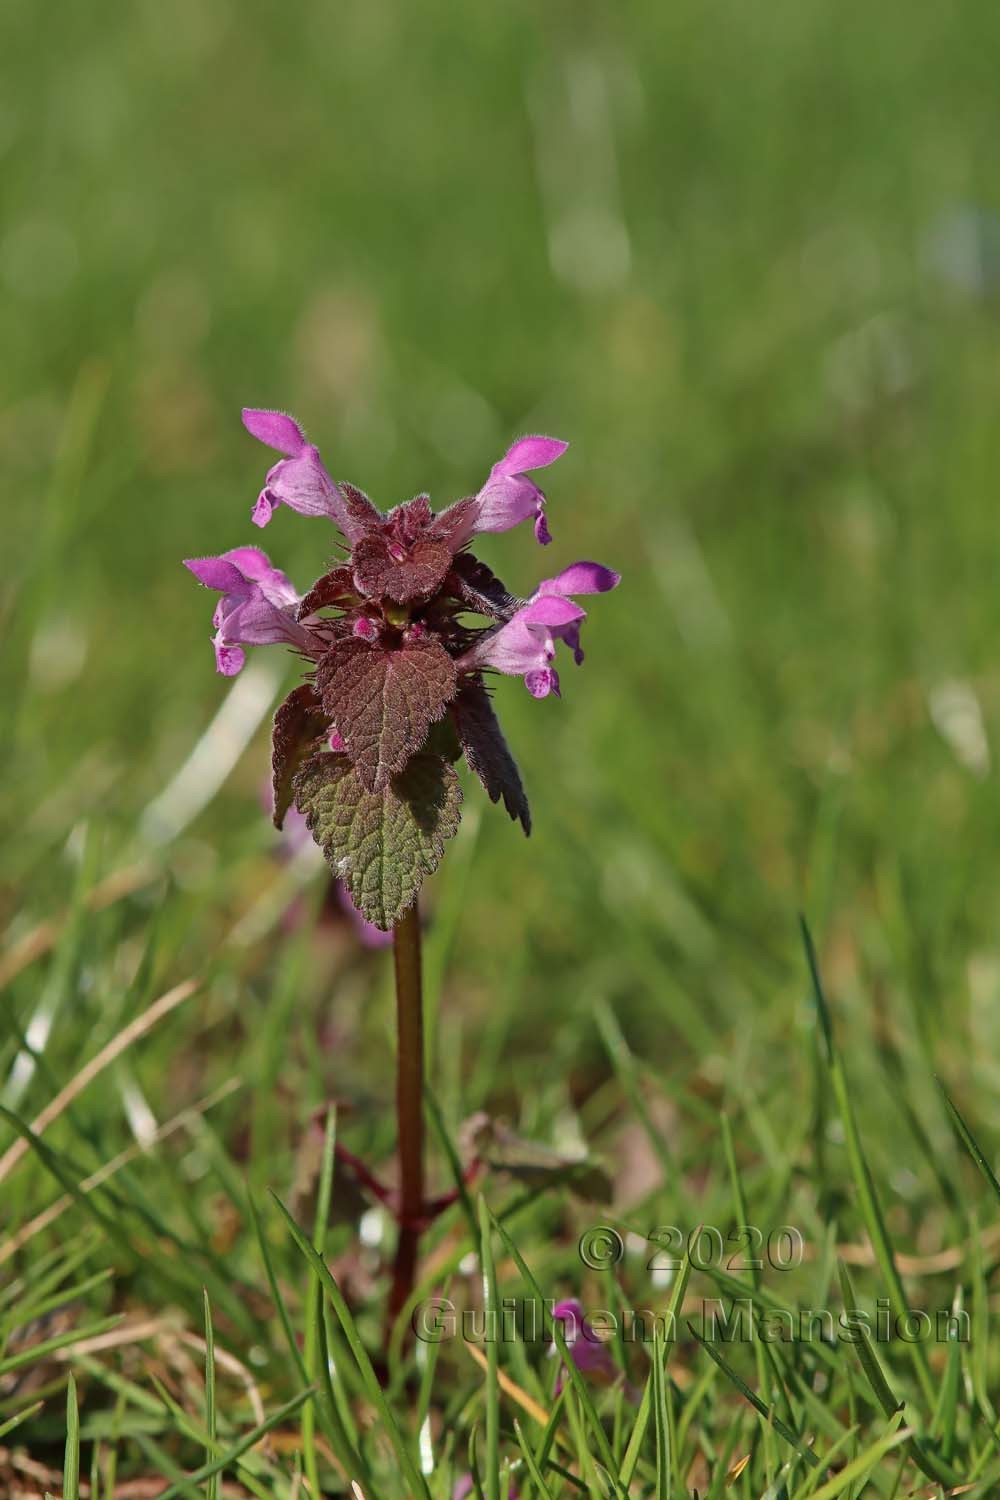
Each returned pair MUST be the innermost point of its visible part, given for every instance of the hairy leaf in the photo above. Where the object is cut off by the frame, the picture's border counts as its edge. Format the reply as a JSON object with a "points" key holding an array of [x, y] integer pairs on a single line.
{"points": [[381, 844], [411, 519], [487, 751], [479, 589], [335, 587], [383, 700], [359, 508], [408, 578], [298, 724], [452, 526]]}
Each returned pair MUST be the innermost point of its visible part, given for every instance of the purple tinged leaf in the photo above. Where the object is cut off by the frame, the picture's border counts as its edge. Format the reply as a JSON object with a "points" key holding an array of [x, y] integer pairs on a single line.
{"points": [[487, 751], [456, 524], [298, 724], [412, 518], [476, 586], [407, 579], [333, 589], [362, 514], [381, 843], [383, 700]]}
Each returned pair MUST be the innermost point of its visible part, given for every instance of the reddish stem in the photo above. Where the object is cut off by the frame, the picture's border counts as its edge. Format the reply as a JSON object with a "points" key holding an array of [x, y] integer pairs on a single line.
{"points": [[409, 1104]]}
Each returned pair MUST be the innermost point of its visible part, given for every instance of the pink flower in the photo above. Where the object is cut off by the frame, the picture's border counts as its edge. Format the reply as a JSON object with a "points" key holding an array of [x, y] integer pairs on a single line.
{"points": [[585, 1347], [258, 606], [526, 645], [509, 496], [300, 479]]}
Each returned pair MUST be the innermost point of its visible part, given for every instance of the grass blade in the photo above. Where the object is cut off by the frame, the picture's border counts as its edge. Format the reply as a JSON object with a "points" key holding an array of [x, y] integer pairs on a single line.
{"points": [[364, 1364], [579, 1385], [490, 1309], [863, 1180], [71, 1466], [212, 1487]]}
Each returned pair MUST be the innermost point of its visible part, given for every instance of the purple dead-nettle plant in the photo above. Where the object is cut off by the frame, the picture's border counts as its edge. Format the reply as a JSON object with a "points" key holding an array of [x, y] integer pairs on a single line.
{"points": [[396, 688], [400, 636]]}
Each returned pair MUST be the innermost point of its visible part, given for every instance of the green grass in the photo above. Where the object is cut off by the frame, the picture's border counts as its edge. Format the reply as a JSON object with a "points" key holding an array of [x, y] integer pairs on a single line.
{"points": [[707, 243]]}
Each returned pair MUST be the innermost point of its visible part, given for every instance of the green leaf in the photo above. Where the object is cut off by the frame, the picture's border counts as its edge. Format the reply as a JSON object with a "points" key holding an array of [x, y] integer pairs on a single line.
{"points": [[790, 1437], [211, 1414], [382, 844], [71, 1467], [245, 1443], [382, 702], [492, 1353], [298, 724], [868, 1198], [968, 1140]]}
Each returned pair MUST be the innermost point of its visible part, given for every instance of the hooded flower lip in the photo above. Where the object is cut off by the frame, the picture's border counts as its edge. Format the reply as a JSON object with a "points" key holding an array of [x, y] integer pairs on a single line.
{"points": [[257, 608], [526, 644], [300, 479], [509, 496]]}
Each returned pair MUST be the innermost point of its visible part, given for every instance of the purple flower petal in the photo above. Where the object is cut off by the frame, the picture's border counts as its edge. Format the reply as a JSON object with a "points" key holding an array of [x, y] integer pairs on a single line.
{"points": [[303, 484], [542, 682], [263, 509], [215, 573], [551, 609], [256, 566], [509, 496], [580, 578], [542, 533], [258, 606], [586, 1349], [526, 644], [228, 659], [530, 453], [257, 622], [276, 429], [505, 502], [299, 480]]}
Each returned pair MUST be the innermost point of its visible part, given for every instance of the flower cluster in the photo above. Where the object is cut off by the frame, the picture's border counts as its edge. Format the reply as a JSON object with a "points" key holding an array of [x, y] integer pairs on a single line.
{"points": [[396, 692]]}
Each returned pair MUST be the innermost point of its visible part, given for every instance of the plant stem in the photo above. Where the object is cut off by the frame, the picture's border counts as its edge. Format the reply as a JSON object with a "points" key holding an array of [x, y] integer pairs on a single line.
{"points": [[409, 1103]]}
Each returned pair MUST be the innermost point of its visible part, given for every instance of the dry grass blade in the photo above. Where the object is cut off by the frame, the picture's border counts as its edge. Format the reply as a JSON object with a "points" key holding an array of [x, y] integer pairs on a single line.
{"points": [[226, 1361], [91, 1070], [513, 1390]]}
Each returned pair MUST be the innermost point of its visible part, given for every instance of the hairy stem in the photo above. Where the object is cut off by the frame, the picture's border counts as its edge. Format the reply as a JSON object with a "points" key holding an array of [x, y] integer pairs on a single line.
{"points": [[409, 1103]]}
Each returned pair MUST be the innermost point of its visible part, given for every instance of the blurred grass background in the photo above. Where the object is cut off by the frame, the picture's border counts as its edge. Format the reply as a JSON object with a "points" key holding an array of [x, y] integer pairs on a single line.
{"points": [[747, 260], [747, 264]]}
